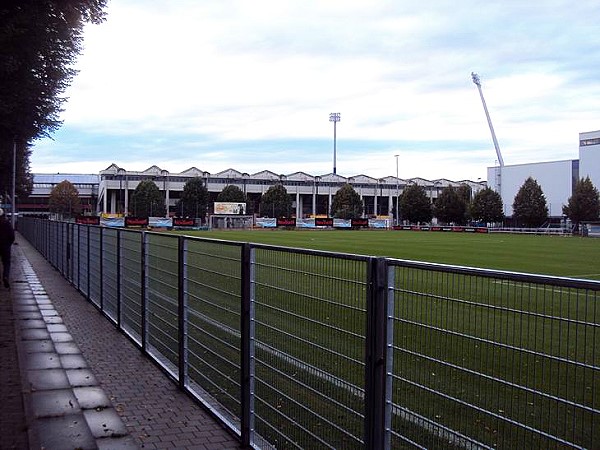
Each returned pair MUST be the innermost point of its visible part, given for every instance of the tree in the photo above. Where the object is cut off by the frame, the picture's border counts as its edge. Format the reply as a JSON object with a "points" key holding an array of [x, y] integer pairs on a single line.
{"points": [[529, 205], [466, 193], [584, 204], [147, 200], [231, 193], [487, 206], [346, 203], [414, 205], [194, 199], [276, 202], [24, 179], [40, 41], [451, 207], [64, 199]]}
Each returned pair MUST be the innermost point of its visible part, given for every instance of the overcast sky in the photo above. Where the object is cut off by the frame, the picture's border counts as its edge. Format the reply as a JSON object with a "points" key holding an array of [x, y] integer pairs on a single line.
{"points": [[249, 85]]}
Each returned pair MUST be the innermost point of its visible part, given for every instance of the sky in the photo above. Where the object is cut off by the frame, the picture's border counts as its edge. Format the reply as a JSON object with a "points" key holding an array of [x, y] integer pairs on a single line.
{"points": [[249, 85]]}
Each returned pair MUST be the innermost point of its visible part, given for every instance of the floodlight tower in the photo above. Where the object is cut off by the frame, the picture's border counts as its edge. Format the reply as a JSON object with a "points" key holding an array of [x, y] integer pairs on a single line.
{"points": [[335, 118], [477, 82]]}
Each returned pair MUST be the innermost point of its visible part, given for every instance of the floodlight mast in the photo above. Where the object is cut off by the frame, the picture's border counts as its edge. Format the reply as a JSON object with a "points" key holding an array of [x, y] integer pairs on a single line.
{"points": [[335, 118], [476, 80]]}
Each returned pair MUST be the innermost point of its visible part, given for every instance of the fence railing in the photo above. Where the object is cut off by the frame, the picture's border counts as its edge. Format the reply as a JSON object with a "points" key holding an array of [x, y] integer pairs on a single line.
{"points": [[307, 349]]}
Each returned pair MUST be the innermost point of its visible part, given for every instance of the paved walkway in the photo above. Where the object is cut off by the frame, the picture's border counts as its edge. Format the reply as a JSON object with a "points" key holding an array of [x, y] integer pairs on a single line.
{"points": [[70, 379]]}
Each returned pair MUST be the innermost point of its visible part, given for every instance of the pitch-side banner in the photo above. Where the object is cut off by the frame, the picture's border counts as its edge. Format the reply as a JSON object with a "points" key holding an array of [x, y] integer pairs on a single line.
{"points": [[88, 220], [266, 222], [230, 208]]}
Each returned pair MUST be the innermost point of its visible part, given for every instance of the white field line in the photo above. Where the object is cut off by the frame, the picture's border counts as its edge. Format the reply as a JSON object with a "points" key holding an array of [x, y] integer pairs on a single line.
{"points": [[520, 285], [404, 414]]}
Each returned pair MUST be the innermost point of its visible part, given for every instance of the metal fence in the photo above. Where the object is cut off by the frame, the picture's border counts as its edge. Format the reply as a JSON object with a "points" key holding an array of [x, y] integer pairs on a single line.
{"points": [[307, 349]]}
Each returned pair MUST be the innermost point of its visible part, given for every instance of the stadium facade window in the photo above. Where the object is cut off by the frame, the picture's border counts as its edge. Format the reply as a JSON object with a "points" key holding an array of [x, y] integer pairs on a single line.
{"points": [[586, 142]]}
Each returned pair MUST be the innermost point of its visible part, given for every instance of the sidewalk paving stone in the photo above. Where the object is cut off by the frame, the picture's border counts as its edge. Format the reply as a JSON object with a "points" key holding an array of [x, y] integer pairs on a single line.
{"points": [[64, 363]]}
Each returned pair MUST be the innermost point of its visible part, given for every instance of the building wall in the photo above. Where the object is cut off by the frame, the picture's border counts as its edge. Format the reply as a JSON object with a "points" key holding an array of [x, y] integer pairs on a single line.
{"points": [[555, 179], [311, 194], [589, 156]]}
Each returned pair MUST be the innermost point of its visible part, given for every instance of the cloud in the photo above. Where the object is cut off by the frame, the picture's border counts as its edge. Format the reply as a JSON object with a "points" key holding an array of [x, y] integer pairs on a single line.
{"points": [[250, 85]]}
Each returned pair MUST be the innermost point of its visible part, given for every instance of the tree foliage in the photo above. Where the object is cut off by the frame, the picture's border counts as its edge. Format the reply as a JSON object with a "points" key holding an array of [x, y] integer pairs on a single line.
{"points": [[451, 206], [465, 192], [64, 199], [414, 205], [276, 202], [40, 41], [231, 193], [346, 203], [487, 206], [529, 206], [194, 199], [584, 204], [147, 200]]}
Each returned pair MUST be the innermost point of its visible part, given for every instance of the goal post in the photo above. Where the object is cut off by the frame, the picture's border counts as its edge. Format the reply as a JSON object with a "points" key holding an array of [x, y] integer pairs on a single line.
{"points": [[229, 222]]}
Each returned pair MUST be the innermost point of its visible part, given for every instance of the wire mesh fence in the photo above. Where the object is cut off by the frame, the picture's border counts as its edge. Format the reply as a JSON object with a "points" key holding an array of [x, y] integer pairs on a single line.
{"points": [[304, 349], [310, 319], [488, 360], [213, 295], [95, 265], [110, 273], [131, 292], [161, 299]]}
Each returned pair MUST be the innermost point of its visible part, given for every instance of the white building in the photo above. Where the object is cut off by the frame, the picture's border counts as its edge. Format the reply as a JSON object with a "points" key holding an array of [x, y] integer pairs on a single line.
{"points": [[589, 156], [311, 194], [556, 178]]}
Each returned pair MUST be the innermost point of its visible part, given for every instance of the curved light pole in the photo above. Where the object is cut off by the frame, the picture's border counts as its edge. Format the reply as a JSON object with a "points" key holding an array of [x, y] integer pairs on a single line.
{"points": [[335, 118]]}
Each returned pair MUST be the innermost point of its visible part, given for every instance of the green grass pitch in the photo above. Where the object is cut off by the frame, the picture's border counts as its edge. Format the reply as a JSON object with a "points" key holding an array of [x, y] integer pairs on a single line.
{"points": [[455, 334], [566, 256]]}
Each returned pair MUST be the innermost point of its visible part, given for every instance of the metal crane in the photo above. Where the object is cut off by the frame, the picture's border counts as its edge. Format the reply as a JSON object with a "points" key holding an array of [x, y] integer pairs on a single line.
{"points": [[476, 80]]}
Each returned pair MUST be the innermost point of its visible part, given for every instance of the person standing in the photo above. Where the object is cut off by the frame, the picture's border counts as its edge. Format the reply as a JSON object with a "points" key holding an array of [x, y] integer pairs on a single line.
{"points": [[7, 237]]}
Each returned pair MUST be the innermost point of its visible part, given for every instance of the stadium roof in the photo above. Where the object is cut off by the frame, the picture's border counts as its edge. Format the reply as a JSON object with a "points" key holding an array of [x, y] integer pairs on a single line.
{"points": [[75, 178]]}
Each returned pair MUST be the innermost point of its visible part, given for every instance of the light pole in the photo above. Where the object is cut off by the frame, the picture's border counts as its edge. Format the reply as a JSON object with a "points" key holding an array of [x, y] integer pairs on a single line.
{"points": [[316, 208], [381, 183], [335, 118], [121, 172], [165, 174], [397, 191], [14, 184]]}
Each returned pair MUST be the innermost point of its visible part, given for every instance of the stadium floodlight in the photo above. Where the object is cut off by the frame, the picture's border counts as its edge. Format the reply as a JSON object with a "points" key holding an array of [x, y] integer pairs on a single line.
{"points": [[335, 118]]}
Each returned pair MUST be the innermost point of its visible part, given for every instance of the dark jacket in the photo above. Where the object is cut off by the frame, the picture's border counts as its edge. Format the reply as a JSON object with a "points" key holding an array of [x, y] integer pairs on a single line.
{"points": [[7, 234]]}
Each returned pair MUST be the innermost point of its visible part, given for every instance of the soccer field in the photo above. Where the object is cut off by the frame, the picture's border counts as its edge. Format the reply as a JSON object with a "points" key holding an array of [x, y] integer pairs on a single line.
{"points": [[473, 360], [521, 352], [566, 256]]}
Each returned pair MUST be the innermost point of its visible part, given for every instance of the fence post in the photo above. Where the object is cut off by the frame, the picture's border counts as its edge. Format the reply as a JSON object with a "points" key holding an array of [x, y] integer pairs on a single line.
{"points": [[101, 262], [88, 264], [46, 228], [119, 279], [79, 257], [376, 355], [182, 309], [247, 347], [143, 302], [69, 250]]}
